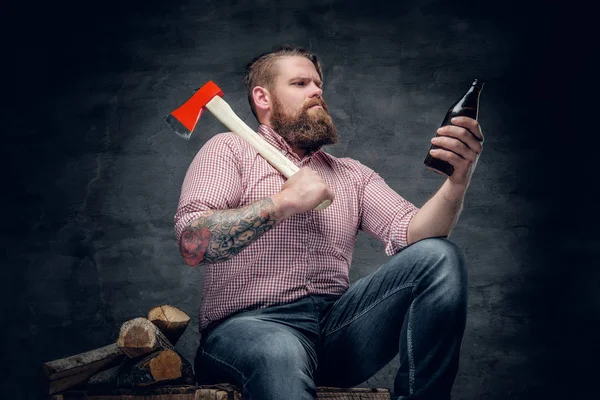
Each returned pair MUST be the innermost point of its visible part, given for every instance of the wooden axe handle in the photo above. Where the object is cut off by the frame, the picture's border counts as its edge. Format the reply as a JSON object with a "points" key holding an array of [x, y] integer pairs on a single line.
{"points": [[224, 113]]}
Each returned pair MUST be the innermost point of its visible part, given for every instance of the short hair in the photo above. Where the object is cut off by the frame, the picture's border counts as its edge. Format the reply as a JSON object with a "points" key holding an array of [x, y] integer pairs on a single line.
{"points": [[260, 71]]}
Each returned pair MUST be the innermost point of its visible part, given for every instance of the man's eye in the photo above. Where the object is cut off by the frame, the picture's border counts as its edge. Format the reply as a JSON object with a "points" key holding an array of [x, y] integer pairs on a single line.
{"points": [[299, 83]]}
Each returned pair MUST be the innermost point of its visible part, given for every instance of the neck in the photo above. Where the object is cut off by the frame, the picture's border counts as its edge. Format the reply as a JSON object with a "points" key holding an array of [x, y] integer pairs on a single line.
{"points": [[299, 152]]}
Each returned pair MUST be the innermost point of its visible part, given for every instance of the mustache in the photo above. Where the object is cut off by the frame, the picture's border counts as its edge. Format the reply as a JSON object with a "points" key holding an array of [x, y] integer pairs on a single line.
{"points": [[316, 102]]}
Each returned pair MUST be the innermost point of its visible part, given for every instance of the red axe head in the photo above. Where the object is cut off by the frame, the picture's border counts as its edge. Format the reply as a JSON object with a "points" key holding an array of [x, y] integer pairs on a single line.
{"points": [[183, 120]]}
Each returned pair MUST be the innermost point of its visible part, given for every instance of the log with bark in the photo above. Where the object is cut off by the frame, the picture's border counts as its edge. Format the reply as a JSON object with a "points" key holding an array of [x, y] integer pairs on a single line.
{"points": [[139, 337], [71, 371], [170, 320], [163, 366]]}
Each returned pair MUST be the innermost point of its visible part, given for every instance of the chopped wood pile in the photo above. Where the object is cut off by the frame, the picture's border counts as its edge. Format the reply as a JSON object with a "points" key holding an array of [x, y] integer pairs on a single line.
{"points": [[143, 355]]}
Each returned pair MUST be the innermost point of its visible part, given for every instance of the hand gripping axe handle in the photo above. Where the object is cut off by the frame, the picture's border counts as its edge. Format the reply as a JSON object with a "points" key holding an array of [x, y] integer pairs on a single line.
{"points": [[184, 119]]}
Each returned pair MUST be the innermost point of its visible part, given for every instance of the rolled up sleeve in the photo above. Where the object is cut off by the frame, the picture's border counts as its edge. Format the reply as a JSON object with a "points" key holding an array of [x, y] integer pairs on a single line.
{"points": [[213, 181], [385, 214]]}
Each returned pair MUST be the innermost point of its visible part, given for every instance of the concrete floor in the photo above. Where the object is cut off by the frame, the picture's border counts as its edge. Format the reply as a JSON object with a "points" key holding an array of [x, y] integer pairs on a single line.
{"points": [[94, 176]]}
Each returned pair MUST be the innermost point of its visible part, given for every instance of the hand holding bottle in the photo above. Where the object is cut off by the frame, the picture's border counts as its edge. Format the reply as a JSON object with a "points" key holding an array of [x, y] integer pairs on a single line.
{"points": [[460, 145], [455, 149]]}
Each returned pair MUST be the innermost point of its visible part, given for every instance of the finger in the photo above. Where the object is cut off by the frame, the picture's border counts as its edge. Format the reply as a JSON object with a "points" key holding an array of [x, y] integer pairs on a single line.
{"points": [[470, 124], [454, 159], [462, 134], [456, 146]]}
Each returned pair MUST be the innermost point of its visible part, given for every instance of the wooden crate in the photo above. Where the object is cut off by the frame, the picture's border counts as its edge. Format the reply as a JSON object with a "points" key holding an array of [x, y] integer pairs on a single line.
{"points": [[352, 394], [216, 392]]}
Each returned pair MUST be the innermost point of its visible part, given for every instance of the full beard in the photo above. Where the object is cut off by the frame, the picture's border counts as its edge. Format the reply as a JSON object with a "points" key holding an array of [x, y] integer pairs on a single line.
{"points": [[308, 130]]}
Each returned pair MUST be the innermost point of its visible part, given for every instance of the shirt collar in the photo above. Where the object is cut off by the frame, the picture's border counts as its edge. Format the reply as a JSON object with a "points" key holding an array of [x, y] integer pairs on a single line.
{"points": [[280, 143]]}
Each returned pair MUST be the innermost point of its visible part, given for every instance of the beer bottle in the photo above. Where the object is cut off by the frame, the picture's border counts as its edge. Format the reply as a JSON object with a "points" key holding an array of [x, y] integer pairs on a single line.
{"points": [[466, 106]]}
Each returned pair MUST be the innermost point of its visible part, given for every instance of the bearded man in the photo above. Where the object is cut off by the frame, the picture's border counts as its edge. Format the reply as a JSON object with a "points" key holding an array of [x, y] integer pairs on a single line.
{"points": [[278, 315]]}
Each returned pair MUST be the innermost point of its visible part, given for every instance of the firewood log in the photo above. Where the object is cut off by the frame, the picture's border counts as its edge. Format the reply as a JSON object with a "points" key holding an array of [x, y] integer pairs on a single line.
{"points": [[139, 336], [106, 379], [163, 366], [170, 320], [71, 371]]}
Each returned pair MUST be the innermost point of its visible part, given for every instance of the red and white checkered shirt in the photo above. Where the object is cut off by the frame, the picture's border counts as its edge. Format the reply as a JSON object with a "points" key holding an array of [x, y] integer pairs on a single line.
{"points": [[308, 253]]}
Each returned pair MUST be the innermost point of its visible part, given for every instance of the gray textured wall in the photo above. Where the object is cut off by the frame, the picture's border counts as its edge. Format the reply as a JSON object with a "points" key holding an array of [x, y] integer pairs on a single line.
{"points": [[94, 177]]}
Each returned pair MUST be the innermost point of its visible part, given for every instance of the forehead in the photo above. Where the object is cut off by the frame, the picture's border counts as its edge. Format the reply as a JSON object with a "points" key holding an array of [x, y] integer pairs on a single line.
{"points": [[290, 67]]}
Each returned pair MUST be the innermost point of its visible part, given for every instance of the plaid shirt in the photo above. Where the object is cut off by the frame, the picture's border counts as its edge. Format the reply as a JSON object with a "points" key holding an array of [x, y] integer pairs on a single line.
{"points": [[308, 253]]}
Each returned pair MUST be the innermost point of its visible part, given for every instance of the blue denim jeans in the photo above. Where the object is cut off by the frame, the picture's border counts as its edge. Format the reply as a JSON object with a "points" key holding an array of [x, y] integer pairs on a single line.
{"points": [[414, 305]]}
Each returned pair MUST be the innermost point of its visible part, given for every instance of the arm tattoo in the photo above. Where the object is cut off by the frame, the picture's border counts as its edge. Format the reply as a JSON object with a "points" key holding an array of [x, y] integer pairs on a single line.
{"points": [[221, 234]]}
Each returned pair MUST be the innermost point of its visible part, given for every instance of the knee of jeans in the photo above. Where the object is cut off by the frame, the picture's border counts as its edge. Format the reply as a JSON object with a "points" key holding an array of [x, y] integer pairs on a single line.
{"points": [[448, 268]]}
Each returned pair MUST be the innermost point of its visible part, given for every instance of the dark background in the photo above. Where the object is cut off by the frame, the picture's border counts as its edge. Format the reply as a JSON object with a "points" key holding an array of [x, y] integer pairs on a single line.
{"points": [[94, 177]]}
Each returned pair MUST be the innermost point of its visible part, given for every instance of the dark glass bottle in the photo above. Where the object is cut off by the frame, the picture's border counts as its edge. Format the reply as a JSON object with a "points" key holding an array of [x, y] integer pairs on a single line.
{"points": [[466, 106]]}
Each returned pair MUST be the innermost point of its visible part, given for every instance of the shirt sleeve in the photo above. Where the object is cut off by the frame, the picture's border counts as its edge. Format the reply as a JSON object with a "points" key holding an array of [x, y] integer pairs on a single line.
{"points": [[385, 214], [213, 182]]}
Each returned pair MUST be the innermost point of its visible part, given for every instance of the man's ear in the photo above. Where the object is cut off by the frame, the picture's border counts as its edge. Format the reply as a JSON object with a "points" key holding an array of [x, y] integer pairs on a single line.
{"points": [[262, 98]]}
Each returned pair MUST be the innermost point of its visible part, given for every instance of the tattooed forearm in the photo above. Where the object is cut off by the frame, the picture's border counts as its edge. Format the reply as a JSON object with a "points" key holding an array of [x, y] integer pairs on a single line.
{"points": [[221, 234]]}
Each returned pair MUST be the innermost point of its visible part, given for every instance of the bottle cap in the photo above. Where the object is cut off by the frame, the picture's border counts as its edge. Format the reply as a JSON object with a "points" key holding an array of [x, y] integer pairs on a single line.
{"points": [[478, 83]]}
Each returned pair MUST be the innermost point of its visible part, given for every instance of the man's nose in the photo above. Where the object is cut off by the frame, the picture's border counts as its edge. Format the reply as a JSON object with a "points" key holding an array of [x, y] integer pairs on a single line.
{"points": [[316, 91]]}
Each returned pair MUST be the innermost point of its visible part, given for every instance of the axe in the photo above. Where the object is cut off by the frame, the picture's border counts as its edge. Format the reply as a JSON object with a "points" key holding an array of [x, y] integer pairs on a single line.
{"points": [[183, 120]]}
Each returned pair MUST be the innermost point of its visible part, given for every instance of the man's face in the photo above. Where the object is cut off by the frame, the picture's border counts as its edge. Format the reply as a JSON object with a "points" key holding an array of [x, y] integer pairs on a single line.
{"points": [[299, 113]]}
